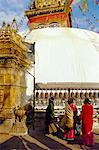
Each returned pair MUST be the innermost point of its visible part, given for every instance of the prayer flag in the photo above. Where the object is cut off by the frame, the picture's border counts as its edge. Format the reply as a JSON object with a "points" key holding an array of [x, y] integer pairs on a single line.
{"points": [[84, 6]]}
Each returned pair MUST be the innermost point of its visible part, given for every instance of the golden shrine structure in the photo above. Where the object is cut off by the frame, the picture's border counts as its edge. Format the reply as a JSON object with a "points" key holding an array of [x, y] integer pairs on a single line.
{"points": [[14, 62]]}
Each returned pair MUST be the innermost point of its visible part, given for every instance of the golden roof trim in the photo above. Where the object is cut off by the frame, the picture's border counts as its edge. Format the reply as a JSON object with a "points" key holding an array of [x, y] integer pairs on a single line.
{"points": [[37, 11]]}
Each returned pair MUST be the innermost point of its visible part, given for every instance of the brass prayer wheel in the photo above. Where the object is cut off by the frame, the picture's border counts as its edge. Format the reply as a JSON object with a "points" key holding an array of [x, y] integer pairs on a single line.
{"points": [[72, 94], [90, 95], [77, 95], [56, 95], [46, 94], [41, 95], [86, 95], [65, 95], [51, 94], [37, 94], [81, 95], [60, 94], [94, 95]]}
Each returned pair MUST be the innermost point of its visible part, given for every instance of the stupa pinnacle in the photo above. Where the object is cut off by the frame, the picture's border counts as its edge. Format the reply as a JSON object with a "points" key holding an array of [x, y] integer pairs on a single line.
{"points": [[52, 13]]}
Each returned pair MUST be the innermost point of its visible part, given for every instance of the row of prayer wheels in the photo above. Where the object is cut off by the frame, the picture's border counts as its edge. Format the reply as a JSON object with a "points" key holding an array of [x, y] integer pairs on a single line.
{"points": [[66, 95]]}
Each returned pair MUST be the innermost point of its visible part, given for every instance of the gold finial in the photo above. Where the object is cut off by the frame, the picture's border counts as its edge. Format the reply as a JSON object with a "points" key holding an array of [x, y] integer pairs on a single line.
{"points": [[14, 25], [8, 25], [4, 24], [14, 20]]}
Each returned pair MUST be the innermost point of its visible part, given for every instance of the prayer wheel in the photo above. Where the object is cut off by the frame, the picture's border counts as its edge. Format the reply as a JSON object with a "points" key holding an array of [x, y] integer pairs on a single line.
{"points": [[94, 95], [77, 95], [46, 94], [60, 94], [51, 94], [41, 95], [56, 95], [72, 94], [90, 95], [68, 94], [86, 95], [37, 94], [81, 95], [65, 95]]}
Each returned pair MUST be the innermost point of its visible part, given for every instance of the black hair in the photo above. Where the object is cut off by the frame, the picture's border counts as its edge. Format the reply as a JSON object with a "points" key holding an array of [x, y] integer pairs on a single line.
{"points": [[87, 101], [71, 100], [51, 99]]}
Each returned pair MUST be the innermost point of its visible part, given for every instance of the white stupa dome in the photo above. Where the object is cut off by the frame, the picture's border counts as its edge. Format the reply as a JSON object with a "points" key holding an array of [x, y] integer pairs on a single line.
{"points": [[65, 55]]}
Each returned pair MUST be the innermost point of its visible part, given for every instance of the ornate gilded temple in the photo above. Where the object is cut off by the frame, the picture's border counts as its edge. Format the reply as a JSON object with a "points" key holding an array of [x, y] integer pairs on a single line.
{"points": [[49, 13], [14, 62]]}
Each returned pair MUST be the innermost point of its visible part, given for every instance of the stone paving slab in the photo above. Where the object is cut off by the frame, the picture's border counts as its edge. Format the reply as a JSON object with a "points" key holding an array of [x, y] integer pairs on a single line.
{"points": [[4, 137], [36, 140]]}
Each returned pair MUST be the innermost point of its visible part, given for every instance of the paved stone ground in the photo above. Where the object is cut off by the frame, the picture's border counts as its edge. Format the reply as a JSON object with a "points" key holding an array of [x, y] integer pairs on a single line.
{"points": [[36, 140]]}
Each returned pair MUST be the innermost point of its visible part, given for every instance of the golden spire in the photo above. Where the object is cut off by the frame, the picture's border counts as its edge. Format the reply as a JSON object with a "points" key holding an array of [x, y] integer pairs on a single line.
{"points": [[49, 13]]}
